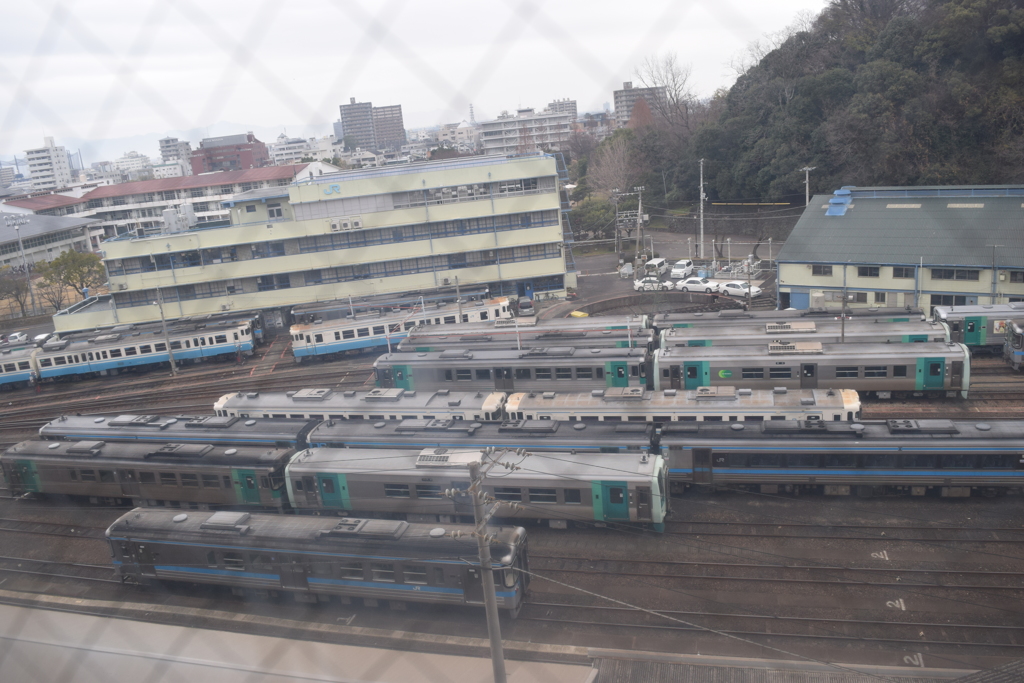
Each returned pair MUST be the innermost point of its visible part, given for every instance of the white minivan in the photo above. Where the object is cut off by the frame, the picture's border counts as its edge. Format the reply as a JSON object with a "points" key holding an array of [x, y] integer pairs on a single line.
{"points": [[682, 269], [656, 266]]}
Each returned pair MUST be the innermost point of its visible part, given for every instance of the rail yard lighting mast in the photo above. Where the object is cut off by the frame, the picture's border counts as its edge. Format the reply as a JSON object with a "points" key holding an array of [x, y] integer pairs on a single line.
{"points": [[807, 183], [16, 222]]}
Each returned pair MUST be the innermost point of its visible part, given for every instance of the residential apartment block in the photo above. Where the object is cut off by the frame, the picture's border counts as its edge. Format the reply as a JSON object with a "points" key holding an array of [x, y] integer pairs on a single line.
{"points": [[916, 247], [389, 127], [49, 166], [492, 221], [357, 123], [627, 97], [565, 106], [526, 132], [172, 149]]}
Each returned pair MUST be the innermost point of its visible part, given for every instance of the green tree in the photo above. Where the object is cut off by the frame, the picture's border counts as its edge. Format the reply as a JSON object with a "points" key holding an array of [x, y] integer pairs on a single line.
{"points": [[74, 269], [593, 218]]}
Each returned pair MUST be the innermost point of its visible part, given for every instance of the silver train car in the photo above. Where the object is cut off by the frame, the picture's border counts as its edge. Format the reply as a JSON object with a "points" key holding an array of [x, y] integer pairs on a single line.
{"points": [[535, 435], [187, 475], [737, 316], [315, 559], [881, 369], [532, 333], [541, 369], [376, 404], [916, 457], [204, 429], [721, 403], [557, 487], [853, 331], [981, 327], [1013, 347]]}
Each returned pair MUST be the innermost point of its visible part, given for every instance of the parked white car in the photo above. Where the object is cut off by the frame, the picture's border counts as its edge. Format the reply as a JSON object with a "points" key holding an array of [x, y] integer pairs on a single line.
{"points": [[683, 268], [739, 288], [651, 284], [697, 284], [17, 337]]}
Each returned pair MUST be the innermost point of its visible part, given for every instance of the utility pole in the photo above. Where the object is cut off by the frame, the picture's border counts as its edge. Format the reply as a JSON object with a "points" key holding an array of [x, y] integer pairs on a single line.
{"points": [[842, 311], [163, 325], [807, 183], [700, 249], [480, 517], [458, 298], [994, 276], [639, 223]]}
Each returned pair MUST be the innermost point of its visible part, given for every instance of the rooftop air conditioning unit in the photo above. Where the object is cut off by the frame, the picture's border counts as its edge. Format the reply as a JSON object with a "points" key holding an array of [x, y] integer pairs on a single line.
{"points": [[357, 222], [335, 227], [346, 224], [447, 281]]}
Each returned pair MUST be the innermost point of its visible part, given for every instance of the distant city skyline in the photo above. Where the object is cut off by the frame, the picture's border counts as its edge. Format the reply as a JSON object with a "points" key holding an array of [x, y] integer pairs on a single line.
{"points": [[106, 78]]}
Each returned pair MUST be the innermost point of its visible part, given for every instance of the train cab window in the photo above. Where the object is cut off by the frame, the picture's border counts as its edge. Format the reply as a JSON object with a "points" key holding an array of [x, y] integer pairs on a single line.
{"points": [[234, 561], [396, 490], [348, 334], [563, 373], [840, 460], [382, 571], [510, 493], [429, 491], [543, 495], [318, 337], [353, 571], [899, 371], [616, 495], [584, 373], [147, 478], [297, 483], [415, 574], [634, 371], [88, 475], [522, 373], [482, 373], [935, 369], [211, 481], [168, 479], [510, 577]]}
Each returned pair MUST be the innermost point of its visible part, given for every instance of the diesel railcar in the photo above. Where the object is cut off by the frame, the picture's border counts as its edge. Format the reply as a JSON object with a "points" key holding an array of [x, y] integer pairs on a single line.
{"points": [[197, 476], [721, 403], [375, 404], [215, 430], [853, 331], [315, 559], [386, 327], [557, 487], [919, 457], [541, 369], [16, 367], [531, 333], [881, 369], [534, 435], [737, 316], [980, 327]]}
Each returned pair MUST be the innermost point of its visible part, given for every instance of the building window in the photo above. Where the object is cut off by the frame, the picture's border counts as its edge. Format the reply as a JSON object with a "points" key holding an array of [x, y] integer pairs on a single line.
{"points": [[879, 297], [251, 208], [821, 270], [955, 274], [867, 271], [859, 297], [274, 210], [903, 272], [1017, 276]]}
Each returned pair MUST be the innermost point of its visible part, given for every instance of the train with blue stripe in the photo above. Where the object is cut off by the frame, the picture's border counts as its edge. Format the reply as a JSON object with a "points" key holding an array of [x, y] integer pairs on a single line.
{"points": [[113, 350], [317, 559]]}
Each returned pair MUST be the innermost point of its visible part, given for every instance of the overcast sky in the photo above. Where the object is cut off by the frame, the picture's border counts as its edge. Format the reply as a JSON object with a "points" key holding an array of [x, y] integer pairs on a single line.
{"points": [[108, 77]]}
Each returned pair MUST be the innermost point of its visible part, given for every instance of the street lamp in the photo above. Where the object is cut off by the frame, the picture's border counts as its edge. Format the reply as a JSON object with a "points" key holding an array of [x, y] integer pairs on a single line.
{"points": [[16, 222], [807, 183]]}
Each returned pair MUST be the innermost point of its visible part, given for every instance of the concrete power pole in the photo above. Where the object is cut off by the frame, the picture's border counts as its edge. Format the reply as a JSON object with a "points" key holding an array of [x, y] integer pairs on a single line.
{"points": [[700, 249], [480, 517]]}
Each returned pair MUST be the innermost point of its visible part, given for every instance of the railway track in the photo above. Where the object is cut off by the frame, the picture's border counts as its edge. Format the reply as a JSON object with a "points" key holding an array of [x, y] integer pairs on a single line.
{"points": [[47, 568], [851, 532], [21, 526]]}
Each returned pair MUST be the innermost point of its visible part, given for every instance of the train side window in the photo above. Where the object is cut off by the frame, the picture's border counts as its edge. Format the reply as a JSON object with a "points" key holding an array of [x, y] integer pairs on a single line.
{"points": [[147, 478], [234, 561], [840, 460], [264, 482], [752, 373], [353, 571], [60, 360], [415, 574], [876, 371], [189, 480], [188, 344], [510, 493], [45, 362], [131, 351], [572, 497], [780, 373], [563, 373], [378, 329], [235, 335], [616, 495], [482, 373], [543, 495], [765, 459], [847, 371], [542, 373], [935, 369], [168, 479], [90, 358], [899, 371], [175, 346], [88, 475], [211, 481], [753, 418], [363, 332], [428, 491], [463, 375], [736, 459], [115, 353], [879, 460], [801, 460], [396, 490], [337, 335], [956, 460], [145, 348], [522, 373], [584, 373], [318, 337], [348, 334], [383, 571]]}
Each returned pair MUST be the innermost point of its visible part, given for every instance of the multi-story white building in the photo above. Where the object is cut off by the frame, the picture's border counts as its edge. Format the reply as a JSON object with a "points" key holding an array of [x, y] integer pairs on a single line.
{"points": [[132, 161], [293, 150], [48, 166], [525, 132], [462, 136], [175, 168], [565, 106], [492, 221]]}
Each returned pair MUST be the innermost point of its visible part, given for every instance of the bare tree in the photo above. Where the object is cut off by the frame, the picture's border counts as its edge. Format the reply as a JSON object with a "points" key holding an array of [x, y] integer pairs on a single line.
{"points": [[757, 50], [612, 166], [54, 293], [679, 104], [14, 288]]}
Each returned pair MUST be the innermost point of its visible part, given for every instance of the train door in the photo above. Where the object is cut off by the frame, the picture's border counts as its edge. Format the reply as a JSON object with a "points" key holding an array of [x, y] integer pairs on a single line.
{"points": [[702, 472], [309, 492], [931, 373], [403, 377], [611, 500], [334, 491], [503, 380], [675, 379], [808, 376], [974, 331], [462, 500], [617, 374], [294, 575], [129, 483], [246, 490], [146, 561], [643, 503], [24, 477], [473, 585], [693, 374]]}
